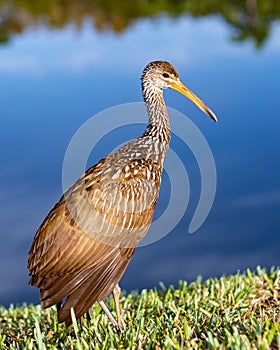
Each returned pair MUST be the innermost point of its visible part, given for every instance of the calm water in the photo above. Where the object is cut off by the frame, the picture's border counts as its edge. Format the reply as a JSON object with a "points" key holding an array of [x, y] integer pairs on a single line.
{"points": [[53, 81]]}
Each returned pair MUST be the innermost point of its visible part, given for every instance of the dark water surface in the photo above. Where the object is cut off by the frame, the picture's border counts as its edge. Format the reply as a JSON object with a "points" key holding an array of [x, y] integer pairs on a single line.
{"points": [[53, 80]]}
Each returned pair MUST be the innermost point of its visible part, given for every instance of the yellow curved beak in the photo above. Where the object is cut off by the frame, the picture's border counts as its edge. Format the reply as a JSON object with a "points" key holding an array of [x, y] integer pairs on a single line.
{"points": [[180, 87]]}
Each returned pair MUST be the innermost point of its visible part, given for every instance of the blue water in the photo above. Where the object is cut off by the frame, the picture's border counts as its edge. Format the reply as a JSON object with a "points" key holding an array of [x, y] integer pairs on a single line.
{"points": [[54, 81]]}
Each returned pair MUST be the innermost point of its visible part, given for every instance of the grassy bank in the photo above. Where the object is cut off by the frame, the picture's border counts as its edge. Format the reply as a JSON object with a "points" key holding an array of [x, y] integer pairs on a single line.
{"points": [[234, 312]]}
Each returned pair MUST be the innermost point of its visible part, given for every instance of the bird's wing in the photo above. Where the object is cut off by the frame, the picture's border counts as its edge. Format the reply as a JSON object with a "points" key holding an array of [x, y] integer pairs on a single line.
{"points": [[86, 242]]}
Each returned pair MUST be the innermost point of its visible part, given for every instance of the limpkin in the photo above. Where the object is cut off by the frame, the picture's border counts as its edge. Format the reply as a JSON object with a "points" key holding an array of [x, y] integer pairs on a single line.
{"points": [[84, 245]]}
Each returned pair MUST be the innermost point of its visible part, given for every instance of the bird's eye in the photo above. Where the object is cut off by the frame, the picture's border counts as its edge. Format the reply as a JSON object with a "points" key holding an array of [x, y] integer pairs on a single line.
{"points": [[165, 75]]}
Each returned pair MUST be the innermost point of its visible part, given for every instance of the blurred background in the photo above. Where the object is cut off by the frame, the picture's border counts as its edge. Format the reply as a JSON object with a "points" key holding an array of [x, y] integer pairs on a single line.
{"points": [[61, 62]]}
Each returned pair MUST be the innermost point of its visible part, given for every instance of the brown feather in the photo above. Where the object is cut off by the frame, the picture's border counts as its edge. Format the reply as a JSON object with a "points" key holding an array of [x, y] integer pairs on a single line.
{"points": [[71, 257]]}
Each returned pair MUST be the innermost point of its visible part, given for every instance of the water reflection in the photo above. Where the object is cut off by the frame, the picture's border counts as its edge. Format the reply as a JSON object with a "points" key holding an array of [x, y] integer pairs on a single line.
{"points": [[52, 81], [249, 19]]}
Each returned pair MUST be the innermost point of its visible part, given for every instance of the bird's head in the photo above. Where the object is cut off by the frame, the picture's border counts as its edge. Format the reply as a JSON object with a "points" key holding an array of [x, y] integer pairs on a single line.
{"points": [[162, 75]]}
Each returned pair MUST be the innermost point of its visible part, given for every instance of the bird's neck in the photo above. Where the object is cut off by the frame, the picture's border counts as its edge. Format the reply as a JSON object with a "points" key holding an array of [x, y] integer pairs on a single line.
{"points": [[159, 126]]}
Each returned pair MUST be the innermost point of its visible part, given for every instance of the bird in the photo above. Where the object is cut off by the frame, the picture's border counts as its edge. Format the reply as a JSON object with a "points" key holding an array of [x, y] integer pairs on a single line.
{"points": [[84, 245]]}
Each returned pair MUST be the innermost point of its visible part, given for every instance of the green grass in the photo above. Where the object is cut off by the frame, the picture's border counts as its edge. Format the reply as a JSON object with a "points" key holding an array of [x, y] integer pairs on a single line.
{"points": [[234, 312]]}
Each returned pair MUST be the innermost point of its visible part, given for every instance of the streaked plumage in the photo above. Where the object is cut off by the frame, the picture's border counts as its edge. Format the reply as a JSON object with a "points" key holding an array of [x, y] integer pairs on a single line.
{"points": [[84, 245]]}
